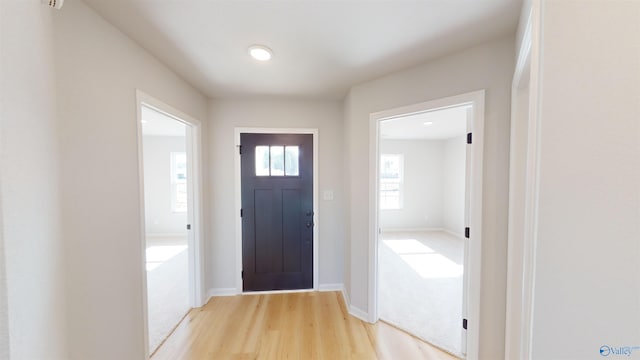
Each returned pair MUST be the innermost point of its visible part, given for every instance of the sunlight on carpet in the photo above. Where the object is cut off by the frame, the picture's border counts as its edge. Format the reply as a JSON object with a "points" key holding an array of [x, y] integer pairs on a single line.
{"points": [[156, 255], [424, 260], [420, 286], [167, 290]]}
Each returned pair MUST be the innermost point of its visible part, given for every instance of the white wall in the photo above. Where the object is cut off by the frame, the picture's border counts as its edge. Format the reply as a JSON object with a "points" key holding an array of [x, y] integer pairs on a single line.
{"points": [[4, 311], [434, 185], [159, 217], [422, 186], [348, 147], [453, 199], [225, 115], [33, 258], [98, 71], [486, 66], [587, 273]]}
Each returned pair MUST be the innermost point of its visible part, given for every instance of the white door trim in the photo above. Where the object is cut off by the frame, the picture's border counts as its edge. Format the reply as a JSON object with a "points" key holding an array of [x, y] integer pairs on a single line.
{"points": [[238, 197], [473, 269], [523, 193], [196, 253]]}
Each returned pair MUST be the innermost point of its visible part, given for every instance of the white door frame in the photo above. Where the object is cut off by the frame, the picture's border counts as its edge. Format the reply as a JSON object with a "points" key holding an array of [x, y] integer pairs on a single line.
{"points": [[473, 261], [195, 246], [238, 200], [523, 192]]}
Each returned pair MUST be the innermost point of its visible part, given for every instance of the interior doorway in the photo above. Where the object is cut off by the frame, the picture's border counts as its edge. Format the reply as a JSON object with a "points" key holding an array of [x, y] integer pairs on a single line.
{"points": [[169, 153], [427, 170], [422, 216]]}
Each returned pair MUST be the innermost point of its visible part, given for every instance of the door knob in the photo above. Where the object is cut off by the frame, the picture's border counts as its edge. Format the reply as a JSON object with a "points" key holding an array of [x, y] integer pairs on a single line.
{"points": [[309, 224]]}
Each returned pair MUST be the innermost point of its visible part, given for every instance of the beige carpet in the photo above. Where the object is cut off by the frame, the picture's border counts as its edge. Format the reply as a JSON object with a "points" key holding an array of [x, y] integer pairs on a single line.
{"points": [[420, 285], [167, 286]]}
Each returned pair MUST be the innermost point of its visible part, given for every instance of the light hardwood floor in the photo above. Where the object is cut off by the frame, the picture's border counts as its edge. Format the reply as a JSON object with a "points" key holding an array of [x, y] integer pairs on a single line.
{"points": [[310, 325]]}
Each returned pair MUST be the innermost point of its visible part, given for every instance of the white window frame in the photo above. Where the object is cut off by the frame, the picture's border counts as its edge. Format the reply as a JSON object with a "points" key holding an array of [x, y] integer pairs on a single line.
{"points": [[400, 182], [175, 181]]}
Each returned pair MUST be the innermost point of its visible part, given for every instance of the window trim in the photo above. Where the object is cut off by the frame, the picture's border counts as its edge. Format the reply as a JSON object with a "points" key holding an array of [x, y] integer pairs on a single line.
{"points": [[399, 181], [175, 182]]}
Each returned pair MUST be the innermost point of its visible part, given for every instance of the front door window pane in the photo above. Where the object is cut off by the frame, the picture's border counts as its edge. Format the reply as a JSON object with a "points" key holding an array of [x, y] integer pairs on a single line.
{"points": [[262, 161], [277, 160], [291, 159]]}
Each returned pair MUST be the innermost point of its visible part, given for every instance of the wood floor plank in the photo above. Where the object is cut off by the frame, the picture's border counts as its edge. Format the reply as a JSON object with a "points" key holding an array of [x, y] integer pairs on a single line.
{"points": [[297, 326]]}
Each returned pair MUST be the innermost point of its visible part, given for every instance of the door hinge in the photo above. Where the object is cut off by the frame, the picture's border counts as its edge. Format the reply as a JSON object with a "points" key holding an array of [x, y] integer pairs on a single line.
{"points": [[469, 138], [467, 232], [240, 149], [242, 274], [464, 324], [188, 226], [241, 212]]}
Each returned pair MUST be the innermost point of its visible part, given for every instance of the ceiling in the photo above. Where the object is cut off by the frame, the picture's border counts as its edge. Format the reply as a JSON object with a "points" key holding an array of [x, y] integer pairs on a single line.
{"points": [[155, 123], [445, 124], [321, 47]]}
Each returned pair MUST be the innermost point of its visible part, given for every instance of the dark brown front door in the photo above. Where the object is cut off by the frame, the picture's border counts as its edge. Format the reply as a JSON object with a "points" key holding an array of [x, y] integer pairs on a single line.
{"points": [[277, 211]]}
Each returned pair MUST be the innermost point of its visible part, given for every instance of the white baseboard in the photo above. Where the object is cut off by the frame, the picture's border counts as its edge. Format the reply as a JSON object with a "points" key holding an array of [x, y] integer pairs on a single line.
{"points": [[458, 235], [411, 229], [166, 235], [330, 287], [360, 314], [354, 311], [222, 292], [345, 296], [233, 291], [273, 292]]}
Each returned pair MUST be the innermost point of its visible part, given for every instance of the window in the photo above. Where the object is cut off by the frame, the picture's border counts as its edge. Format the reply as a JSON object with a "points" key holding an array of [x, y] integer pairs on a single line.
{"points": [[391, 181], [277, 160], [178, 182]]}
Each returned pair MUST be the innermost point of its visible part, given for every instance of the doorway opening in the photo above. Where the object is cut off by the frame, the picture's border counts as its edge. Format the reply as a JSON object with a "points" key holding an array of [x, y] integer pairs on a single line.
{"points": [[427, 171], [170, 235], [277, 203], [422, 216]]}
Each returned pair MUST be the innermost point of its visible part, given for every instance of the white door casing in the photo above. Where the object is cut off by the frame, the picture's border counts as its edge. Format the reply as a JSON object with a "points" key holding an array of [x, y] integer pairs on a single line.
{"points": [[473, 211], [194, 194]]}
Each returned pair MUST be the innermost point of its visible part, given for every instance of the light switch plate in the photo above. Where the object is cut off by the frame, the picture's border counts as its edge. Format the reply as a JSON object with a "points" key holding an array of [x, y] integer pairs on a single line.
{"points": [[327, 195]]}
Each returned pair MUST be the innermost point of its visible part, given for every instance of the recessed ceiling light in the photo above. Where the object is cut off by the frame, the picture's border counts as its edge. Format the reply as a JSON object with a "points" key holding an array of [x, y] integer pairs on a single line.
{"points": [[427, 123], [260, 52]]}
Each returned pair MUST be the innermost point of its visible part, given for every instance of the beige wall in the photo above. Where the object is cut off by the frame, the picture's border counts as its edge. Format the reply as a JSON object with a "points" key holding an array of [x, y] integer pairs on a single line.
{"points": [[587, 270], [98, 71], [34, 327], [224, 116], [346, 178], [487, 66]]}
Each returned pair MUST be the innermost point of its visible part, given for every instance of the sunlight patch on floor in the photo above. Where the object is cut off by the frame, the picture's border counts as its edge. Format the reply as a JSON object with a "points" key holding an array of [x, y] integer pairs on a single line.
{"points": [[424, 260], [408, 246], [156, 255]]}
